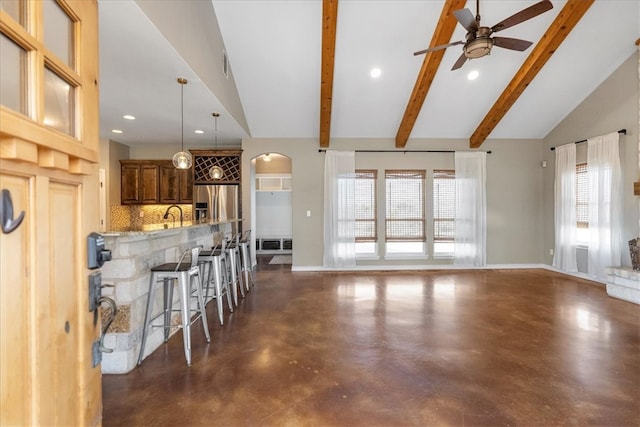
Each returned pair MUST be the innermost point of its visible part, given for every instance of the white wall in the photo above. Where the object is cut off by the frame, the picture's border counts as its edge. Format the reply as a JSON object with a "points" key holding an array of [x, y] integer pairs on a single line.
{"points": [[612, 106], [111, 153], [273, 214], [514, 190], [519, 193]]}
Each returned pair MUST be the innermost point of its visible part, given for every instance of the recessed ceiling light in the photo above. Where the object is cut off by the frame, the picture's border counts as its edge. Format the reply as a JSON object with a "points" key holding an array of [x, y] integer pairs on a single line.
{"points": [[128, 117], [116, 131], [375, 73], [199, 132], [473, 75]]}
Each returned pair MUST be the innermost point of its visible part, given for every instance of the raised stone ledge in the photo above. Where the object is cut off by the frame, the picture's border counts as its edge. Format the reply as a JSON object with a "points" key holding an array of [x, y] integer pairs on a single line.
{"points": [[134, 254], [623, 283]]}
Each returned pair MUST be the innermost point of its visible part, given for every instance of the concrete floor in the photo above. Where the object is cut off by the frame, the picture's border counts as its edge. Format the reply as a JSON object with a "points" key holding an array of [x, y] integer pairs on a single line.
{"points": [[433, 348]]}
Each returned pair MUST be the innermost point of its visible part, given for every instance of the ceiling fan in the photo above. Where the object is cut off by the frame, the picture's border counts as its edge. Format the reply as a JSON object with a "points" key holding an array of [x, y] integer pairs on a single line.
{"points": [[479, 42]]}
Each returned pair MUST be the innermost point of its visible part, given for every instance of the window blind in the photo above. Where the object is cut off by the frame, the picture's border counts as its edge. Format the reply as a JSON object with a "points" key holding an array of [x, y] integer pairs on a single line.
{"points": [[405, 197], [444, 205], [582, 196], [365, 205]]}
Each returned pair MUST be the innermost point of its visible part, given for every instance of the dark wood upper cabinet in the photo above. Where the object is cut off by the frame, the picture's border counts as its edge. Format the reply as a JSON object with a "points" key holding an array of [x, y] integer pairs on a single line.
{"points": [[154, 182], [149, 190], [130, 184], [185, 184], [169, 189]]}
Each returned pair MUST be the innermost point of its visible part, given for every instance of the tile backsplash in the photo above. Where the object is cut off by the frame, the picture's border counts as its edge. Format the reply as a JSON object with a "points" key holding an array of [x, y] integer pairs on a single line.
{"points": [[137, 217]]}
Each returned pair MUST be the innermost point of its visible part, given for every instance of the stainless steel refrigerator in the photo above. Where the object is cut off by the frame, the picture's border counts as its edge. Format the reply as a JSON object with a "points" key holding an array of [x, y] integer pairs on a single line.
{"points": [[216, 202]]}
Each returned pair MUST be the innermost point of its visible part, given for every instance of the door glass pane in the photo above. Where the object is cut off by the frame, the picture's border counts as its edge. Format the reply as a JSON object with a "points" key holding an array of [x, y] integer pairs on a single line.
{"points": [[15, 9], [58, 31], [13, 68], [58, 103]]}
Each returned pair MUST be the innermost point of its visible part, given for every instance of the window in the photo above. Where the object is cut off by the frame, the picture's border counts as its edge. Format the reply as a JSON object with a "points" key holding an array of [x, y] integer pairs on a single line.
{"points": [[58, 103], [15, 9], [13, 75], [40, 66], [365, 210], [582, 203], [405, 219], [444, 211], [58, 32]]}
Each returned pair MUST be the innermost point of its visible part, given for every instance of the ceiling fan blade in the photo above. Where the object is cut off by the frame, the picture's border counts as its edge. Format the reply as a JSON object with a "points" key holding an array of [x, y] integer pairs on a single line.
{"points": [[460, 62], [440, 47], [466, 19], [513, 44], [523, 15]]}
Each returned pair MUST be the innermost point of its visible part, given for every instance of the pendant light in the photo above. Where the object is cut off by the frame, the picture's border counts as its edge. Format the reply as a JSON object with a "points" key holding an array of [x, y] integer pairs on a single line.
{"points": [[182, 159], [216, 172]]}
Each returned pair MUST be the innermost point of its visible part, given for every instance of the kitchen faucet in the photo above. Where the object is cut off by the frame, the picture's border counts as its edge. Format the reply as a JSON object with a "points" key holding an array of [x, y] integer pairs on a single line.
{"points": [[166, 213]]}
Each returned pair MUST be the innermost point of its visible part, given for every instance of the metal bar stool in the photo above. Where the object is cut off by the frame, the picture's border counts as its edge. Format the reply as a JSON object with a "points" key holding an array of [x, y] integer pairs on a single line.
{"points": [[233, 266], [216, 279], [245, 257], [184, 274]]}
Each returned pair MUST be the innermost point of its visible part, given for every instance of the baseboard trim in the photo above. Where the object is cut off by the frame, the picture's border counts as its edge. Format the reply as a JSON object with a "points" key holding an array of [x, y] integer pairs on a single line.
{"points": [[577, 275], [415, 267], [319, 268]]}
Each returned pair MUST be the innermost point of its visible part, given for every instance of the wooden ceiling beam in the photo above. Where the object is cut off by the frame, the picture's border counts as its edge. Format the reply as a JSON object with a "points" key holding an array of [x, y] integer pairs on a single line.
{"points": [[329, 25], [442, 35], [559, 29]]}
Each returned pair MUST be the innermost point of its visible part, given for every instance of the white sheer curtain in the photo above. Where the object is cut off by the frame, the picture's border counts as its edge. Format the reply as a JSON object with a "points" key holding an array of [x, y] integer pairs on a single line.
{"points": [[564, 256], [605, 203], [471, 209], [339, 209]]}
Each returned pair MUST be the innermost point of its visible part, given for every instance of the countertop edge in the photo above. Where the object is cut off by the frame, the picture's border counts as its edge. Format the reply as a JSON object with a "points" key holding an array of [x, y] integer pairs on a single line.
{"points": [[171, 230]]}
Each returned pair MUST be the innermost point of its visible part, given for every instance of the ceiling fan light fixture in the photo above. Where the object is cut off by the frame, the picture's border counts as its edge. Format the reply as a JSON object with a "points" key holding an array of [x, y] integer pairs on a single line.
{"points": [[478, 39], [479, 47], [182, 159]]}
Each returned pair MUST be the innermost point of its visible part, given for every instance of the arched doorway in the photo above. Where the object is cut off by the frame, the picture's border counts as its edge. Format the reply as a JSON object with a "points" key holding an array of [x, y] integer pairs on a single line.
{"points": [[272, 207]]}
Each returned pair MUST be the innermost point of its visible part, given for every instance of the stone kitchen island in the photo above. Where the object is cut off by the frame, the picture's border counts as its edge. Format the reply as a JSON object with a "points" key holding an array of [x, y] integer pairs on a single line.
{"points": [[126, 279]]}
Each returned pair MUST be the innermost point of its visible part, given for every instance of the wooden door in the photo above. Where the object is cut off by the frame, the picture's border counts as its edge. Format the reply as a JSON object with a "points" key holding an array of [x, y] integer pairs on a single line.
{"points": [[48, 162]]}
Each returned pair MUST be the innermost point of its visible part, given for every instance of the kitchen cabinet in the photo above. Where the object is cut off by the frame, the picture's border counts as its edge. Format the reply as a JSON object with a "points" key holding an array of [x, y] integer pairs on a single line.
{"points": [[154, 182], [176, 185], [273, 182], [149, 184], [139, 182], [129, 184]]}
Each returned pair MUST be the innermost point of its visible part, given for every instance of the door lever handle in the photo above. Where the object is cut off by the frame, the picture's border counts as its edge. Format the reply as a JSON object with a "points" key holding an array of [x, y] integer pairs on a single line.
{"points": [[112, 305], [8, 222]]}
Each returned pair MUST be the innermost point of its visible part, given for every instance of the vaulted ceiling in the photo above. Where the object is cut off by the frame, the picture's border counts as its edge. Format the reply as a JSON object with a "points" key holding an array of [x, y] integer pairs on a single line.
{"points": [[299, 69]]}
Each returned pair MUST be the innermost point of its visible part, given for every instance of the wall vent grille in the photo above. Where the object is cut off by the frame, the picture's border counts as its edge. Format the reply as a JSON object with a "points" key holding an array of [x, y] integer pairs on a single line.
{"points": [[225, 64]]}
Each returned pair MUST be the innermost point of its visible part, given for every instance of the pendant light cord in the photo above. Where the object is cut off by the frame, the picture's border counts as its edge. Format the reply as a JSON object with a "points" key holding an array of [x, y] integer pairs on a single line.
{"points": [[215, 129], [182, 110]]}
